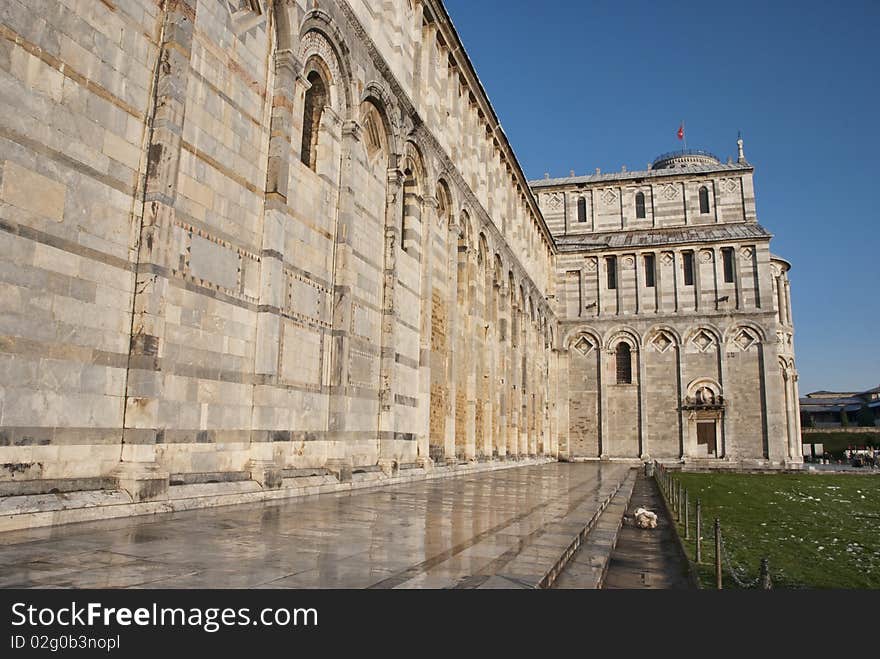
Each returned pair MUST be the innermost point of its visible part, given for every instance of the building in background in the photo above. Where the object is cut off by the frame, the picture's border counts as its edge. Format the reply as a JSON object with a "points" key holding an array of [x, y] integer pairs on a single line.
{"points": [[836, 409], [674, 316]]}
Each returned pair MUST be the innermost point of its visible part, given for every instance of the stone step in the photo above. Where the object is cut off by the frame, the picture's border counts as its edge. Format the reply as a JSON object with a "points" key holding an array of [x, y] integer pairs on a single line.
{"points": [[33, 510], [587, 567], [543, 555]]}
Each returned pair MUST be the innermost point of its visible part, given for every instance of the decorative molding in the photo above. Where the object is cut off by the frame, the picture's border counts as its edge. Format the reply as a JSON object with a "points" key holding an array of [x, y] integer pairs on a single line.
{"points": [[703, 341]]}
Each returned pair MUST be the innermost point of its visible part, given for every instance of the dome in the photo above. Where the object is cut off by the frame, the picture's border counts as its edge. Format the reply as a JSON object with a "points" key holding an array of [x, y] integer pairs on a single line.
{"points": [[685, 158]]}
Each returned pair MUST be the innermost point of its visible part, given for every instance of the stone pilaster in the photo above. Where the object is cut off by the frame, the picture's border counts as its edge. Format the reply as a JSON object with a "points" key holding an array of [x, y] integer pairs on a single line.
{"points": [[344, 279], [387, 385], [426, 321], [139, 473]]}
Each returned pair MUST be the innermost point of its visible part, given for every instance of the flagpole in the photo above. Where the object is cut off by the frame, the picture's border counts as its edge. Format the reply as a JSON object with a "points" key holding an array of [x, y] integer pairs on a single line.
{"points": [[684, 130]]}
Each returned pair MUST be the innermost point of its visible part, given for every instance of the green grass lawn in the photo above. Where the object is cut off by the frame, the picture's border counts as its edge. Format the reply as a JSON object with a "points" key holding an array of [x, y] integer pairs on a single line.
{"points": [[818, 531]]}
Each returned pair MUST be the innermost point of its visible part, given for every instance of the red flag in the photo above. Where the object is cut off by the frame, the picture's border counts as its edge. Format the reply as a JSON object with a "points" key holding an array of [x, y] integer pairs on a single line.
{"points": [[681, 132]]}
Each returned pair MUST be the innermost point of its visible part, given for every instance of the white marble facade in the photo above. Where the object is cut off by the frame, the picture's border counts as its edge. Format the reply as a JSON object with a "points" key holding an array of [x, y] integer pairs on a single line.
{"points": [[247, 244]]}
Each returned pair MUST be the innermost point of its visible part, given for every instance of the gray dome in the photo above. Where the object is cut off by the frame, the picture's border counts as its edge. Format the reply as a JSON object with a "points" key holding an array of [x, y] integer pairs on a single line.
{"points": [[685, 158]]}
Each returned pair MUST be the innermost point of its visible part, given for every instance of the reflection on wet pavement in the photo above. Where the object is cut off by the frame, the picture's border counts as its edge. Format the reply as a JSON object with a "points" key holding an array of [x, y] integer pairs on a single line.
{"points": [[457, 532]]}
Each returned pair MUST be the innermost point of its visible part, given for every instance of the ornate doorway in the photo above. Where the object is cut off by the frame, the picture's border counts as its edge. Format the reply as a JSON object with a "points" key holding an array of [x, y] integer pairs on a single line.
{"points": [[704, 410]]}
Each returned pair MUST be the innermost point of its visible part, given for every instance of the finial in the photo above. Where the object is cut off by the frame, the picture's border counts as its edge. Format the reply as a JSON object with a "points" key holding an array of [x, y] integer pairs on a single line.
{"points": [[598, 170], [623, 168], [572, 173], [741, 158], [546, 175]]}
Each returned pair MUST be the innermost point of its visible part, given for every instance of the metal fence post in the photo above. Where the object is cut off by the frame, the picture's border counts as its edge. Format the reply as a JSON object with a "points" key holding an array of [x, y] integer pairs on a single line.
{"points": [[678, 501], [687, 519], [717, 553], [766, 580], [699, 554]]}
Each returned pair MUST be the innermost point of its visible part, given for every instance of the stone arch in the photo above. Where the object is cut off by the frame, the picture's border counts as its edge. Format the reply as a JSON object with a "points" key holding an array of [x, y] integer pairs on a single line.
{"points": [[658, 335], [668, 330], [626, 334], [572, 336], [322, 99], [498, 270], [318, 54], [622, 345], [703, 336], [414, 184], [733, 332], [379, 97], [483, 251], [319, 34], [375, 135], [466, 231], [697, 384], [414, 166]]}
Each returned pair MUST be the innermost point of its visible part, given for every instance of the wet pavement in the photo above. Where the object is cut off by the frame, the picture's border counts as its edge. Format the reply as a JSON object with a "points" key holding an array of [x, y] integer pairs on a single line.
{"points": [[464, 532], [647, 559]]}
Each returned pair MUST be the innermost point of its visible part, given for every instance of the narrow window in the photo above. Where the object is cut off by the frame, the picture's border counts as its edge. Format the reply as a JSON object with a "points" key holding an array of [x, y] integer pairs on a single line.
{"points": [[704, 200], [624, 364], [640, 205], [688, 268], [650, 265], [727, 258], [611, 266], [316, 99], [582, 209]]}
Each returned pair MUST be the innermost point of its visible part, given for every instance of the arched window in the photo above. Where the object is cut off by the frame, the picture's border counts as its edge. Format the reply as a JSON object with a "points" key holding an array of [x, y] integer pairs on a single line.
{"points": [[727, 260], [704, 200], [624, 363], [316, 99], [582, 209], [640, 205]]}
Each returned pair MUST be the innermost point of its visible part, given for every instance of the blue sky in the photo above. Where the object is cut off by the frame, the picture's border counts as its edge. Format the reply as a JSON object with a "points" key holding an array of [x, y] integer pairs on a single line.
{"points": [[580, 85]]}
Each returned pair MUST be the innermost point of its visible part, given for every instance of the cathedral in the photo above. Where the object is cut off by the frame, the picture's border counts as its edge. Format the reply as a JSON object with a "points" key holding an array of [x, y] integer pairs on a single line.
{"points": [[256, 249], [674, 316]]}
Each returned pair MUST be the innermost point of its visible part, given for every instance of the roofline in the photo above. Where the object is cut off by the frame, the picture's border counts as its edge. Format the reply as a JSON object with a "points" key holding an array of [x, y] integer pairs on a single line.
{"points": [[569, 247], [570, 181], [440, 13]]}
